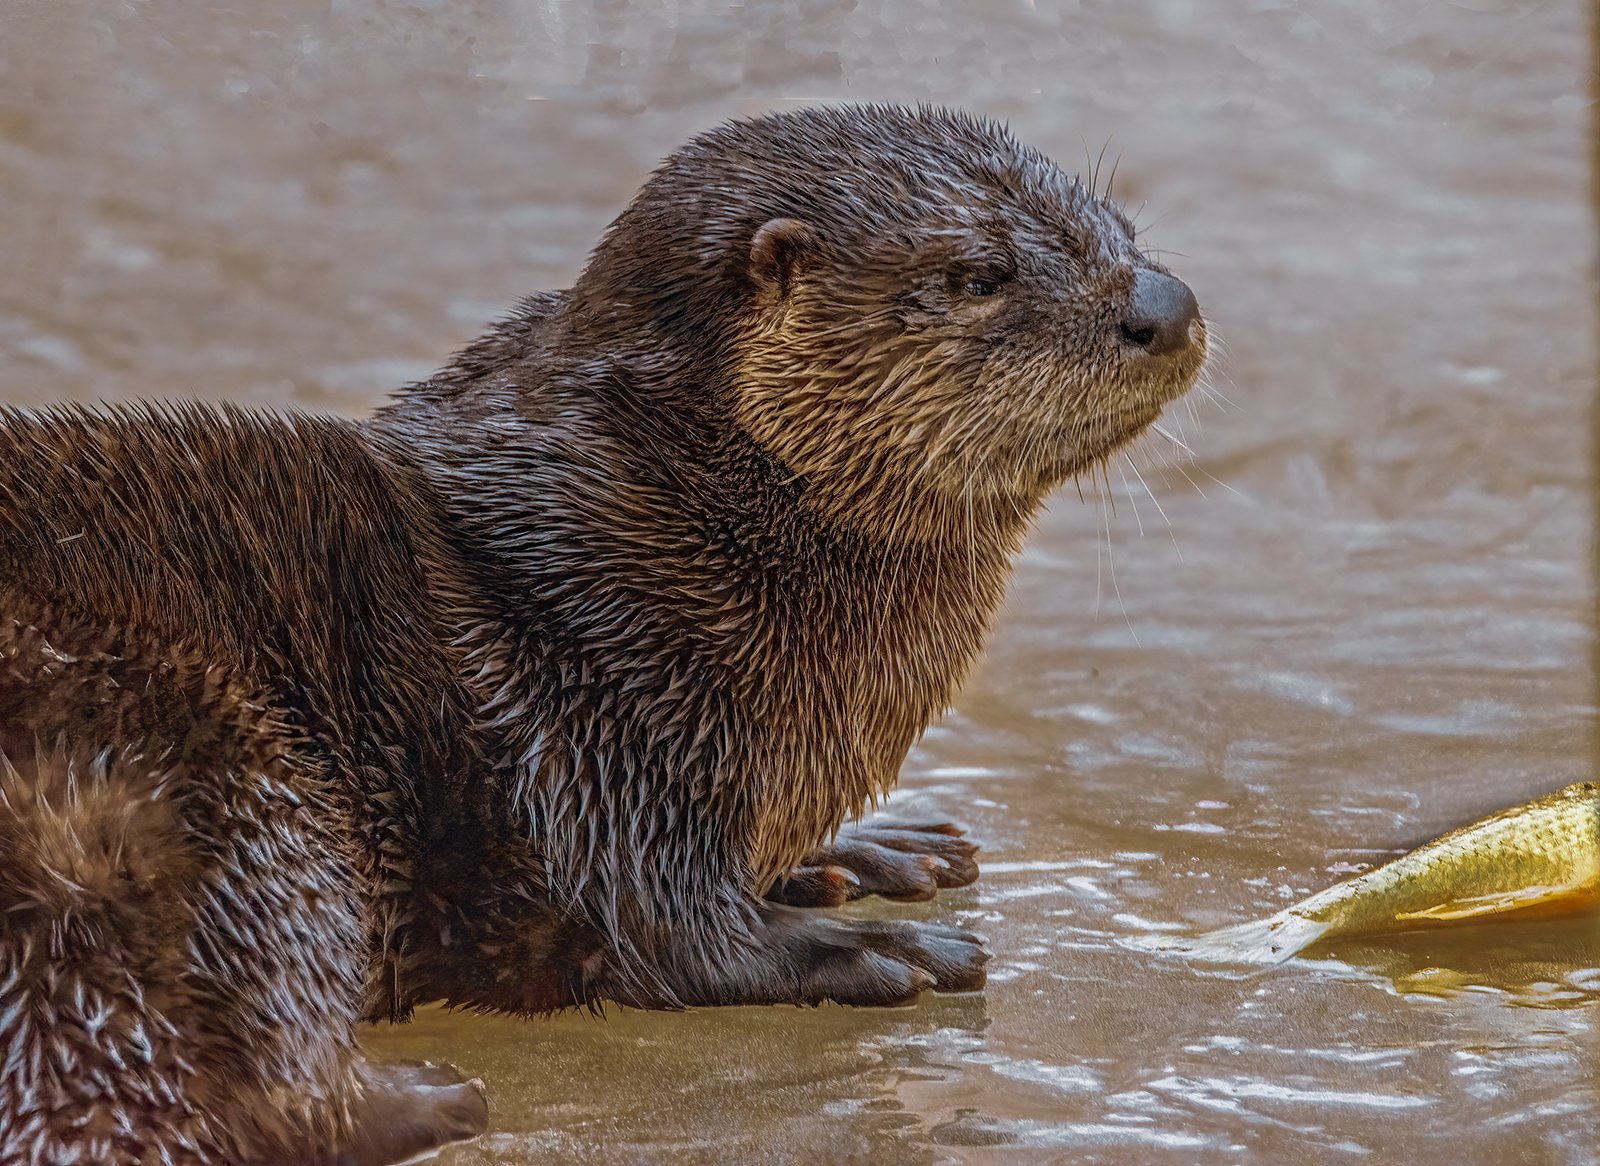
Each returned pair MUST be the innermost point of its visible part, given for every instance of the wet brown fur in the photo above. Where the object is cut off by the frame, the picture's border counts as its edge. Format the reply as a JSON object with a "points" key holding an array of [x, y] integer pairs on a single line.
{"points": [[521, 694]]}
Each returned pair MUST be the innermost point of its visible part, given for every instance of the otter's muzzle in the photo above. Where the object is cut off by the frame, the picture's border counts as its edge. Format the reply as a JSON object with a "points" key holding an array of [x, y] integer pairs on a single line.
{"points": [[1159, 315]]}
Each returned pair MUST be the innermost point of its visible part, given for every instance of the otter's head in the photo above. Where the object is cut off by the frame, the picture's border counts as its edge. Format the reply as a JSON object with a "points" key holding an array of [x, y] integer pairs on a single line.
{"points": [[901, 306]]}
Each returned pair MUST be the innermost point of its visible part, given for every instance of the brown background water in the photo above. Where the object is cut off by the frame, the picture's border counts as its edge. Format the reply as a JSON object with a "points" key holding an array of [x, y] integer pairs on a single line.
{"points": [[1359, 616]]}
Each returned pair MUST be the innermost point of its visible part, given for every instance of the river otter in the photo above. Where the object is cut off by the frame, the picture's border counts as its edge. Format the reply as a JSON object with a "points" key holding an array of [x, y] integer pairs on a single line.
{"points": [[551, 682]]}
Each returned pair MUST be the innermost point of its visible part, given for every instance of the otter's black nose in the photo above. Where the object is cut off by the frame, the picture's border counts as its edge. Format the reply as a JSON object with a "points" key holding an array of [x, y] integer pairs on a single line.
{"points": [[1159, 315]]}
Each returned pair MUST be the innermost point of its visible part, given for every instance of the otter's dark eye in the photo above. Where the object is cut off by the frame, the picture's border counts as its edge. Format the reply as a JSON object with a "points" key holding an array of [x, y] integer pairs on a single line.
{"points": [[981, 287]]}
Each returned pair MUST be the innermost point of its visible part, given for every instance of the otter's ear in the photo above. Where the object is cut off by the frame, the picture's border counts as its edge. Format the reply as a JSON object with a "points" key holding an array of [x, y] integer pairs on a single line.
{"points": [[781, 250]]}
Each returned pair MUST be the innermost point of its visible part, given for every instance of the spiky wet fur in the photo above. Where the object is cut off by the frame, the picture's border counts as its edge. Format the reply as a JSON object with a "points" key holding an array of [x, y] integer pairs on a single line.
{"points": [[183, 938], [577, 646]]}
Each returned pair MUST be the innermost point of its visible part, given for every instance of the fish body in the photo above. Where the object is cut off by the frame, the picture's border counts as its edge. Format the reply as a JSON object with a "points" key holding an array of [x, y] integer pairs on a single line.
{"points": [[1544, 854]]}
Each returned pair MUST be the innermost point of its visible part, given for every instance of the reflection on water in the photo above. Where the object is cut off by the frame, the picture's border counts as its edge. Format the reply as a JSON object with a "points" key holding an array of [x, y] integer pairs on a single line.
{"points": [[1357, 618]]}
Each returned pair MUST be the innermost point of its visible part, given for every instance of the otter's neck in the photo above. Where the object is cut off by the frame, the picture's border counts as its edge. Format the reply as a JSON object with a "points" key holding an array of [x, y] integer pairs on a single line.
{"points": [[632, 565], [619, 488]]}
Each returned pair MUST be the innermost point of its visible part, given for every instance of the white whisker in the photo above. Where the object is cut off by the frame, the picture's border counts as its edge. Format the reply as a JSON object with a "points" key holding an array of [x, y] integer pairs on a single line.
{"points": [[1131, 504], [1173, 438], [1157, 502]]}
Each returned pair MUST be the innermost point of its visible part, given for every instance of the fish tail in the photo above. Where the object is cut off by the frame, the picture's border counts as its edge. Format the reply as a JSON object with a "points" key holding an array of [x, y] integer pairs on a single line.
{"points": [[1262, 942]]}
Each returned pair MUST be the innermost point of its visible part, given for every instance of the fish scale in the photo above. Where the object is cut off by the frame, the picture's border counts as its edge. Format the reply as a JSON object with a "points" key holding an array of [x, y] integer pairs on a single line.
{"points": [[1543, 855]]}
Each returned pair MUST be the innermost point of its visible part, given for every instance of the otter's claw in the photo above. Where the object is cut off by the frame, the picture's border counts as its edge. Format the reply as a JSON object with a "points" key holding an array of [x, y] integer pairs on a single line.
{"points": [[897, 858]]}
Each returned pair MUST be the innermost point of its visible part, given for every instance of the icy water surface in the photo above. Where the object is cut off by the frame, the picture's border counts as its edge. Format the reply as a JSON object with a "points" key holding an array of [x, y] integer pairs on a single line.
{"points": [[1358, 617]]}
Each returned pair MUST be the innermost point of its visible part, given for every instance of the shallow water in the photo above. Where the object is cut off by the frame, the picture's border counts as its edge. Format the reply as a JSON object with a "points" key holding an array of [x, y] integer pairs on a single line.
{"points": [[1357, 617]]}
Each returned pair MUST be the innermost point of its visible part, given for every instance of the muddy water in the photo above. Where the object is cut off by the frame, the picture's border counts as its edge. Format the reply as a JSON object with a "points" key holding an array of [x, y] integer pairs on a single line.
{"points": [[1357, 616]]}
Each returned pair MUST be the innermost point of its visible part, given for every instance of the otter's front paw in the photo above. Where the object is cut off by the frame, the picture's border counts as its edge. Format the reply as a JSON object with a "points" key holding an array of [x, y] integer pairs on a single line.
{"points": [[802, 957], [894, 962], [893, 857]]}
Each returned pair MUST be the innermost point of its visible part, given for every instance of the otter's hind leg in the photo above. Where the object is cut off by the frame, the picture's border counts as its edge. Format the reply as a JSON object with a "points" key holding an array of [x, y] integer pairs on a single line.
{"points": [[409, 1109], [93, 879], [183, 940], [283, 945], [906, 860]]}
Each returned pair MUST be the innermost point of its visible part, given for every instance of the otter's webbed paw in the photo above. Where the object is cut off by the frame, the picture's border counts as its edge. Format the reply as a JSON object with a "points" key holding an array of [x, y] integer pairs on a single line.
{"points": [[792, 955], [894, 857], [412, 1108], [874, 963]]}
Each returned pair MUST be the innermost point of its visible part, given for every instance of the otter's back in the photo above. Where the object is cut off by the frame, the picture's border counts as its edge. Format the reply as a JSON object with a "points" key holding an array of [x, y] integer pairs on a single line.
{"points": [[242, 534]]}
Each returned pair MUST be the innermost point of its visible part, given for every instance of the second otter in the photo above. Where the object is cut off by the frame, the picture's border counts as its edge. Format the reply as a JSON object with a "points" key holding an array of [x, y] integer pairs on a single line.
{"points": [[551, 675]]}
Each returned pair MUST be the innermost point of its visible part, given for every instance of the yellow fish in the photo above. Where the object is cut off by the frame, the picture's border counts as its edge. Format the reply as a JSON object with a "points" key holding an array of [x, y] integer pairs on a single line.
{"points": [[1541, 857]]}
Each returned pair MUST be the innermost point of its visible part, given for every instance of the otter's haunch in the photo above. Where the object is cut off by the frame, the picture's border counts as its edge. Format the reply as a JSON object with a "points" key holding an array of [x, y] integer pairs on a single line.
{"points": [[553, 680]]}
